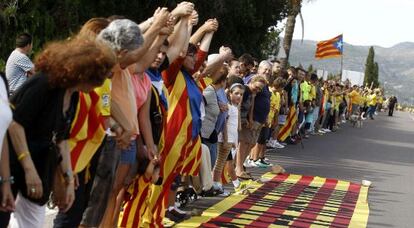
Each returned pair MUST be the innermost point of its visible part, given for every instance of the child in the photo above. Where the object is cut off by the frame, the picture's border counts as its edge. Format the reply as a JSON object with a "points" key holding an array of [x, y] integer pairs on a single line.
{"points": [[275, 102], [229, 138], [139, 192]]}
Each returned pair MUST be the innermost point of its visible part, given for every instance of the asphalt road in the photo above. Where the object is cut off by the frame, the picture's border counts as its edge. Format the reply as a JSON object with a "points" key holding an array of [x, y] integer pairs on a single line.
{"points": [[382, 152]]}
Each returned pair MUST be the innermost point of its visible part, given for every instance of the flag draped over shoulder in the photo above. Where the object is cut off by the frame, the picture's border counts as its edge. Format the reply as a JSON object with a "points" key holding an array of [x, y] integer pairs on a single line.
{"points": [[87, 131], [329, 48]]}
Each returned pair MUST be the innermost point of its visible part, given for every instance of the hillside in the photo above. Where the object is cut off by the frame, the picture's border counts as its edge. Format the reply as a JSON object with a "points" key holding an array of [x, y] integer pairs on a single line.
{"points": [[396, 64]]}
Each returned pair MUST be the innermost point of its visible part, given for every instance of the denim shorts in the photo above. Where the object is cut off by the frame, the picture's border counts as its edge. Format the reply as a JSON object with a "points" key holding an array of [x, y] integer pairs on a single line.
{"points": [[129, 155]]}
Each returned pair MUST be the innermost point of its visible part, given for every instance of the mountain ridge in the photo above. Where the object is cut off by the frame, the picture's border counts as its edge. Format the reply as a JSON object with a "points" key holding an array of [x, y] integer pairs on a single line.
{"points": [[396, 64]]}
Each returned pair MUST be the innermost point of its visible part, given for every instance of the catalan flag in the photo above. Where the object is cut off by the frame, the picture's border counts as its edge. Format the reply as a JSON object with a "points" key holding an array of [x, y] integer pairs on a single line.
{"points": [[289, 200], [329, 48], [291, 120], [87, 132], [135, 207]]}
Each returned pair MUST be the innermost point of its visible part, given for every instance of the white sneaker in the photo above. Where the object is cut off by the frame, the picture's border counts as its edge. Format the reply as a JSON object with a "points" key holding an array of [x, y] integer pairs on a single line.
{"points": [[252, 164], [249, 163], [277, 145], [270, 143], [321, 131], [327, 130]]}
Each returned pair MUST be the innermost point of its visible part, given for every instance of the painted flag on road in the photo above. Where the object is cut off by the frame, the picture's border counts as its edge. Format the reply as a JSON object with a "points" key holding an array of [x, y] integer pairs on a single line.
{"points": [[329, 48]]}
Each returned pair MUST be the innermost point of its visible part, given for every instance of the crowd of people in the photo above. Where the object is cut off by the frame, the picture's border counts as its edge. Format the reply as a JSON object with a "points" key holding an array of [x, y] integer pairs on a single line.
{"points": [[123, 124]]}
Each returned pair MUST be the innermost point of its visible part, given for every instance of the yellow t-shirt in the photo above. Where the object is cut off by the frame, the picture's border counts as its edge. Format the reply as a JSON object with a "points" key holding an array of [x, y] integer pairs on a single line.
{"points": [[338, 101], [305, 89], [355, 97], [104, 93], [372, 100], [312, 92], [274, 107]]}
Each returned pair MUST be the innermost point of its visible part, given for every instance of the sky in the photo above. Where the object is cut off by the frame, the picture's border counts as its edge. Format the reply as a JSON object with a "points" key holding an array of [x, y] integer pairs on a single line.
{"points": [[362, 22]]}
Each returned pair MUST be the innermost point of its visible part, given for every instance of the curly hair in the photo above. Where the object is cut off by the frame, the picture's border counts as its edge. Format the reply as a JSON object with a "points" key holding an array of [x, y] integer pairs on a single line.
{"points": [[74, 62]]}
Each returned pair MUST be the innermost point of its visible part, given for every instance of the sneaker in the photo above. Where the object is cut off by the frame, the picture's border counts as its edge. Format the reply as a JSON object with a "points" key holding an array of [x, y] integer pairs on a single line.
{"points": [[249, 163], [261, 164], [283, 143], [322, 132], [266, 159], [269, 144], [174, 216], [326, 130], [263, 161], [209, 193], [278, 145]]}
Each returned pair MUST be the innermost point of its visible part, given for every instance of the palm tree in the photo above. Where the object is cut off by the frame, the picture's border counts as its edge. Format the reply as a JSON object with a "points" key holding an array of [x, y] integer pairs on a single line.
{"points": [[294, 10]]}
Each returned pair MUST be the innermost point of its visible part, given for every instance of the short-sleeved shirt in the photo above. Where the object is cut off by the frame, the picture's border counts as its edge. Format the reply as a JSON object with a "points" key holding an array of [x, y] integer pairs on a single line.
{"points": [[355, 97], [104, 92], [17, 66], [142, 85], [123, 94], [221, 119], [305, 89], [247, 78], [232, 126], [39, 109], [274, 106], [5, 112], [372, 100], [262, 105]]}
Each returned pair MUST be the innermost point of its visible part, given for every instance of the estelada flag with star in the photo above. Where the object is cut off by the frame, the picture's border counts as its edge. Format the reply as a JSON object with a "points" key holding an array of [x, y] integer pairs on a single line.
{"points": [[329, 48]]}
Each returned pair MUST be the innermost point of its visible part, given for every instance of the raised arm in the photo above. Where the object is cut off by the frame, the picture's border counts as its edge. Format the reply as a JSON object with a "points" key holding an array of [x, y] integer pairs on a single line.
{"points": [[214, 66], [160, 20], [149, 57], [209, 26], [178, 39]]}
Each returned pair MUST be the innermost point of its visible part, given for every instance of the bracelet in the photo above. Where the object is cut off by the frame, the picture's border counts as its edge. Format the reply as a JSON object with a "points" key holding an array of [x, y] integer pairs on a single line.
{"points": [[5, 180], [22, 155]]}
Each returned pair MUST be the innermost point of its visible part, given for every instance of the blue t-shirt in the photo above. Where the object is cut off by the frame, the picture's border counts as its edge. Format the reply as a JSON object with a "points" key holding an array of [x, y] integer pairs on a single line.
{"points": [[247, 79], [262, 105], [221, 119]]}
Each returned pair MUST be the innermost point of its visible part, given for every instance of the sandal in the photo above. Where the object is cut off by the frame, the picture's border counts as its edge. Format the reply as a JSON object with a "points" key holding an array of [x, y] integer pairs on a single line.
{"points": [[244, 176]]}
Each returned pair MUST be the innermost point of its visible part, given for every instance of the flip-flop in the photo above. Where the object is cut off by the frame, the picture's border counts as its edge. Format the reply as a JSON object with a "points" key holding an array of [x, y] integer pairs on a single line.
{"points": [[245, 176]]}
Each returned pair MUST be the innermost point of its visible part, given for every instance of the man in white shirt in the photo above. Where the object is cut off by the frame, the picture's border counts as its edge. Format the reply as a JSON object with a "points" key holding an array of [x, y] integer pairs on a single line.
{"points": [[19, 66]]}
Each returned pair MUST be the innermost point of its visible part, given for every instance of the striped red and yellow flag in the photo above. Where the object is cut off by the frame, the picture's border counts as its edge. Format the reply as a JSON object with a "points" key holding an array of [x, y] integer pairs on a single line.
{"points": [[289, 200], [290, 122], [329, 48], [87, 131]]}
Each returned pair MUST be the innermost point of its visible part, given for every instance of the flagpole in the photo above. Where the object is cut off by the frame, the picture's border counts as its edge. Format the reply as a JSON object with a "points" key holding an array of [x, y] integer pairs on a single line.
{"points": [[342, 57], [342, 64]]}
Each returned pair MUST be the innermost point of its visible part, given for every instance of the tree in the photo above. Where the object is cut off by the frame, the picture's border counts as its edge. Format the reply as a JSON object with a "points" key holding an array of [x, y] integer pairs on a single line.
{"points": [[244, 24], [271, 45], [293, 11], [311, 69], [371, 69]]}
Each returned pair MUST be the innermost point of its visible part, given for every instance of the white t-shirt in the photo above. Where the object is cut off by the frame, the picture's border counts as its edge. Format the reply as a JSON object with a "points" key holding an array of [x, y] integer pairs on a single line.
{"points": [[5, 113], [17, 66], [232, 126]]}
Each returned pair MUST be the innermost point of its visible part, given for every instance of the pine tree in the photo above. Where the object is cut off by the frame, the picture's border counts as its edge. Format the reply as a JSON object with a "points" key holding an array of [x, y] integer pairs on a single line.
{"points": [[376, 74], [370, 67], [311, 69]]}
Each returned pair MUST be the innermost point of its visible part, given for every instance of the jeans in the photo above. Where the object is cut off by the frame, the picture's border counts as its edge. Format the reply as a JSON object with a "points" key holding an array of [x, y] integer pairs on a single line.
{"points": [[371, 111]]}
